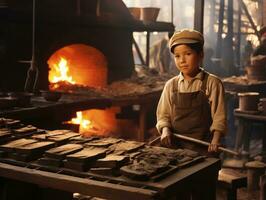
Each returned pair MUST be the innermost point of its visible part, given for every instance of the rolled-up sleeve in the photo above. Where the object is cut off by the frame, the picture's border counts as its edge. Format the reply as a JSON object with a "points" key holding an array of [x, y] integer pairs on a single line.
{"points": [[164, 108], [218, 110]]}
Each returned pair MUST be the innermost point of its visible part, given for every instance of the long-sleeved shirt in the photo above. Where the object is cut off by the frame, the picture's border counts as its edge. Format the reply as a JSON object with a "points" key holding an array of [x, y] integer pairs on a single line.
{"points": [[214, 92]]}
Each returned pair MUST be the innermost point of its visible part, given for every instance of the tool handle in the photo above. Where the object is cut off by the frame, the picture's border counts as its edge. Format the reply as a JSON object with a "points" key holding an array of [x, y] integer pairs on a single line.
{"points": [[205, 144], [190, 139]]}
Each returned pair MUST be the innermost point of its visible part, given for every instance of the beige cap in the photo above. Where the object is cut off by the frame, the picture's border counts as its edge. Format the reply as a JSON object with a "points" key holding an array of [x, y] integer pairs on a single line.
{"points": [[185, 36]]}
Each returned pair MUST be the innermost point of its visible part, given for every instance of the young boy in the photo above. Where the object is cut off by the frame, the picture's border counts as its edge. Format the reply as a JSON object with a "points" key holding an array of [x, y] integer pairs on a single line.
{"points": [[191, 103]]}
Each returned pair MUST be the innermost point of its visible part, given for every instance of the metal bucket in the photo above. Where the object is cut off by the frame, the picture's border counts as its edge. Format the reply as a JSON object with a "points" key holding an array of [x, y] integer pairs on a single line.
{"points": [[248, 101], [149, 14]]}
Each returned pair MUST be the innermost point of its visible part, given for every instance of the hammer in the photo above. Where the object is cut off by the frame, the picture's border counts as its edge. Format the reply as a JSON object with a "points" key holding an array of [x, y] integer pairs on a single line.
{"points": [[197, 141]]}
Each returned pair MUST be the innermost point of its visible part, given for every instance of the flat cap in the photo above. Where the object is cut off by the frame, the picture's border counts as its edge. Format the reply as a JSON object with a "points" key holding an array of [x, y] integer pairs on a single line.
{"points": [[185, 36]]}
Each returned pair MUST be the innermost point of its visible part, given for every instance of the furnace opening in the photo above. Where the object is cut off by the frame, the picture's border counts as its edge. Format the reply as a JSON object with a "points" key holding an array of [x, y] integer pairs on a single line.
{"points": [[77, 64], [80, 64]]}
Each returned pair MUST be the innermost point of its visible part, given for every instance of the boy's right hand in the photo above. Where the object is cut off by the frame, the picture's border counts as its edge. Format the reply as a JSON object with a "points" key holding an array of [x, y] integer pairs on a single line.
{"points": [[166, 137]]}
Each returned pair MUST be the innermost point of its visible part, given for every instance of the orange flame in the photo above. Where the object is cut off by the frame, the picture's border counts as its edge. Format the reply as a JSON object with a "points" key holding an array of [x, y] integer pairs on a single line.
{"points": [[59, 72], [96, 122], [81, 121]]}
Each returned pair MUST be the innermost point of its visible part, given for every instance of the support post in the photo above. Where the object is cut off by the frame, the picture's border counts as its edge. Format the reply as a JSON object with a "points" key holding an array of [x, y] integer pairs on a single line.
{"points": [[199, 15]]}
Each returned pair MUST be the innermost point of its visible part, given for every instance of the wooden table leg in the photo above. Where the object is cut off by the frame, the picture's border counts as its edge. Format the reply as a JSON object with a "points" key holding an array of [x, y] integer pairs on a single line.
{"points": [[263, 153], [239, 134], [243, 137], [263, 187], [142, 122], [247, 133]]}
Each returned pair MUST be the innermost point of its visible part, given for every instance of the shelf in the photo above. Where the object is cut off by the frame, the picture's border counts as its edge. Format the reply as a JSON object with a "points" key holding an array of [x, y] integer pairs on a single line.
{"points": [[154, 26], [92, 21]]}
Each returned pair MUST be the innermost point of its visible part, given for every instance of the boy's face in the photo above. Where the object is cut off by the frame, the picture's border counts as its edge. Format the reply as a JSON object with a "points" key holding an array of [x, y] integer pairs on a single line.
{"points": [[187, 60]]}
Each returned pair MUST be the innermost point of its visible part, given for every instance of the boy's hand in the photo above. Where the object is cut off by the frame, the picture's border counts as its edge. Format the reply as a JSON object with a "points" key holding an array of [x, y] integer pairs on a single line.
{"points": [[213, 147], [215, 143], [166, 137]]}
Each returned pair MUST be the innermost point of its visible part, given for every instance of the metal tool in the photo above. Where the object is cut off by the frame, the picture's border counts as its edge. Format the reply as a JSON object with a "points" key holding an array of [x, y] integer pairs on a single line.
{"points": [[33, 71], [197, 141]]}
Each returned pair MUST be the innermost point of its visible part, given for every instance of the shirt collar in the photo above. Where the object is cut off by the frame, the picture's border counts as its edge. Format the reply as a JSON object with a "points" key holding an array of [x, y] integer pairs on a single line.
{"points": [[200, 75]]}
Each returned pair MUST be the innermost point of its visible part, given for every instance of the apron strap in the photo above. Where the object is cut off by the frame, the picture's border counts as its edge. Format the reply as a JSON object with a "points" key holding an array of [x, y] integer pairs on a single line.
{"points": [[203, 85], [204, 82], [175, 89]]}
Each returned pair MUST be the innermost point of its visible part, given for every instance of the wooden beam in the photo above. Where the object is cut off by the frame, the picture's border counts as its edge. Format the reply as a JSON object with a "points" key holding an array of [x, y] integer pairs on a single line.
{"points": [[238, 45], [249, 17], [148, 48], [199, 15], [220, 30], [138, 51]]}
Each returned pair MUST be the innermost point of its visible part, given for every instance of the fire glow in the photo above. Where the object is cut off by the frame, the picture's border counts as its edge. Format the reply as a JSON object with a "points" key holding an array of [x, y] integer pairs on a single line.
{"points": [[59, 72], [84, 65], [96, 122], [84, 123]]}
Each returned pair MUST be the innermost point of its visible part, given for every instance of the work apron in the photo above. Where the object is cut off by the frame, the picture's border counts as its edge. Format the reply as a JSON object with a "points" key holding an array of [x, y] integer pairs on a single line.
{"points": [[192, 116]]}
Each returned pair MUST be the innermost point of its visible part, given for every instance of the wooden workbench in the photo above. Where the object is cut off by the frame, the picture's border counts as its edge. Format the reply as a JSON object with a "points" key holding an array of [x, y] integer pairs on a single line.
{"points": [[202, 176], [63, 161]]}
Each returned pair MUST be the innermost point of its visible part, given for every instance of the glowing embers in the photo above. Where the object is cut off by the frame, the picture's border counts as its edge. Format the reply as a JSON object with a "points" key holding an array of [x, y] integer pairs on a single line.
{"points": [[60, 73], [77, 64], [97, 122]]}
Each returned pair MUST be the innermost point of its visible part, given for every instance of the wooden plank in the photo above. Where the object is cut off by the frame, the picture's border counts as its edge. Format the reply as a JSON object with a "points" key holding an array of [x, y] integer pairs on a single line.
{"points": [[16, 143], [35, 147], [59, 136], [104, 142], [4, 132], [8, 123], [111, 161], [25, 129], [48, 134], [80, 139], [61, 151], [126, 146], [62, 138], [57, 132], [233, 178], [255, 117], [87, 155], [75, 184]]}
